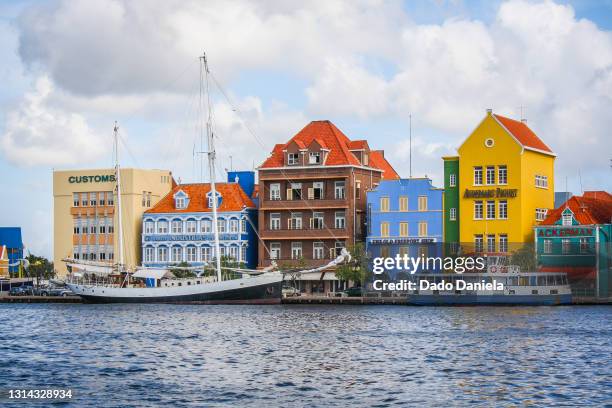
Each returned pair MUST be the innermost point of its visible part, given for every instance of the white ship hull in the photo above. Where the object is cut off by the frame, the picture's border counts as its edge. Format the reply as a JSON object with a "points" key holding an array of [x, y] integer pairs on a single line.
{"points": [[259, 289]]}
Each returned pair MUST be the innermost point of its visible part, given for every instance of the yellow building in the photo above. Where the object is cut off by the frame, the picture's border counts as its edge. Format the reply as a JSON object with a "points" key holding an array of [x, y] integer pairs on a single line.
{"points": [[84, 217], [504, 187]]}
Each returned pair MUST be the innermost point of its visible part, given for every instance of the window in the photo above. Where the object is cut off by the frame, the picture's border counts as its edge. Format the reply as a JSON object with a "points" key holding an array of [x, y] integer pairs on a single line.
{"points": [[478, 175], [384, 204], [584, 245], [317, 221], [403, 229], [221, 225], [243, 254], [540, 214], [233, 226], [243, 225], [295, 220], [211, 202], [177, 227], [339, 192], [478, 243], [191, 226], [490, 210], [296, 250], [205, 253], [403, 251], [314, 158], [316, 192], [144, 198], [567, 219], [162, 227], [384, 251], [292, 159], [541, 181], [275, 221], [233, 252], [102, 198], [110, 198], [93, 199], [294, 192], [275, 250], [205, 226], [403, 203], [338, 247], [191, 254], [162, 254], [180, 203], [340, 220], [177, 254], [149, 227], [84, 201], [490, 175], [503, 243], [502, 175], [384, 229], [75, 199], [422, 229], [76, 229], [452, 215], [503, 209], [491, 243], [548, 246], [422, 203], [566, 246], [478, 210], [452, 180], [275, 191], [358, 189], [318, 250]]}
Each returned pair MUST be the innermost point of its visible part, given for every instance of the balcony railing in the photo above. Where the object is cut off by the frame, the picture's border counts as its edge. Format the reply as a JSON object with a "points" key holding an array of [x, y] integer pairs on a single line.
{"points": [[329, 233], [303, 204]]}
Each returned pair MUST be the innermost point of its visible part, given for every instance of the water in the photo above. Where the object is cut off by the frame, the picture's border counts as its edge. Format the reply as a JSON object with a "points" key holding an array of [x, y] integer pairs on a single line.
{"points": [[193, 355]]}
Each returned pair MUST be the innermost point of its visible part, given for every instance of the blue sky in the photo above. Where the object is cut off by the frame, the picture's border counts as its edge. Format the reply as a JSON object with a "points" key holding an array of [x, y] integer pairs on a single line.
{"points": [[71, 68]]}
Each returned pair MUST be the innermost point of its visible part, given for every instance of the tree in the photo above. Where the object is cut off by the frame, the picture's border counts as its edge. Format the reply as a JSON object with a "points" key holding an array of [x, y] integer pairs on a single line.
{"points": [[40, 267], [524, 257], [358, 269], [180, 272]]}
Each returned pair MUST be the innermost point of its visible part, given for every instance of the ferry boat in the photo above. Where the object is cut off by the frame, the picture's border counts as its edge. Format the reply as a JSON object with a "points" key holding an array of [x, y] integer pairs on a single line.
{"points": [[99, 282], [499, 285]]}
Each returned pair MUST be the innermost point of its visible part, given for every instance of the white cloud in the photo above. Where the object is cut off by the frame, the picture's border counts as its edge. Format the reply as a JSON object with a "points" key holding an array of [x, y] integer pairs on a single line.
{"points": [[39, 134]]}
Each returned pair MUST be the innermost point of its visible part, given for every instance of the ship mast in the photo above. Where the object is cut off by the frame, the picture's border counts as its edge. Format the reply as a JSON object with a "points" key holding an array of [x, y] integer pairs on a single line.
{"points": [[211, 162], [118, 177]]}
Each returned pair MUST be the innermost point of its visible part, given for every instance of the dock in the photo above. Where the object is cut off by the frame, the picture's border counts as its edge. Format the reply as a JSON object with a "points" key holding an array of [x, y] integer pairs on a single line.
{"points": [[4, 298], [346, 300]]}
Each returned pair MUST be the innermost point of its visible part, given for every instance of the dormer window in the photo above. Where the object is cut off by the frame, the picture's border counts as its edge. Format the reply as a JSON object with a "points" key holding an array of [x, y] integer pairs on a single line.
{"points": [[292, 159], [181, 200], [210, 200], [567, 218], [314, 158]]}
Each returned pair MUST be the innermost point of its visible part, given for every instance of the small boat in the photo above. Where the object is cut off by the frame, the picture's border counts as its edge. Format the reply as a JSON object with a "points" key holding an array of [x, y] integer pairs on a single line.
{"points": [[99, 282], [499, 285]]}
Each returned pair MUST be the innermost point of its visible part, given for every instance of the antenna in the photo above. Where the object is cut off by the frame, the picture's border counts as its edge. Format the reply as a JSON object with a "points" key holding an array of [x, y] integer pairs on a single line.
{"points": [[522, 113], [410, 142], [580, 179]]}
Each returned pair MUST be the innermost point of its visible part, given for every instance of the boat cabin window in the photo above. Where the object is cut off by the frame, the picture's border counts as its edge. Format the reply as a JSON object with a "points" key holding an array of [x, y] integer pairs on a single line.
{"points": [[554, 292], [541, 280], [197, 282], [180, 284], [550, 279], [533, 281], [524, 281], [188, 283], [534, 292]]}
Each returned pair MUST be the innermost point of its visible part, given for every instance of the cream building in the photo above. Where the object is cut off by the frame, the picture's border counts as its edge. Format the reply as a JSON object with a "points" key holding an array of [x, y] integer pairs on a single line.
{"points": [[85, 224]]}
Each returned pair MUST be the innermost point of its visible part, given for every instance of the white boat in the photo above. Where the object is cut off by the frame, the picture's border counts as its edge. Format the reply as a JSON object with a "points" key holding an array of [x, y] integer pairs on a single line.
{"points": [[98, 282]]}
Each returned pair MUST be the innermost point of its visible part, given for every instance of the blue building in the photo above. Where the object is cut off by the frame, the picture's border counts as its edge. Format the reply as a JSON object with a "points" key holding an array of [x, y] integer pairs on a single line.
{"points": [[11, 238], [405, 217], [179, 227]]}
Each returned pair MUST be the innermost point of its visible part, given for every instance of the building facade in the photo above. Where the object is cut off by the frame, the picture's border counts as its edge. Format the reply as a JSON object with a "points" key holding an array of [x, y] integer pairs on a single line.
{"points": [[85, 218], [499, 186], [405, 218], [179, 228], [312, 198], [576, 238], [12, 247]]}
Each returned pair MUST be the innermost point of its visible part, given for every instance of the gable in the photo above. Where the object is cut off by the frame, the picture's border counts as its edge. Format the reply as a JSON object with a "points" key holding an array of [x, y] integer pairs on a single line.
{"points": [[487, 129]]}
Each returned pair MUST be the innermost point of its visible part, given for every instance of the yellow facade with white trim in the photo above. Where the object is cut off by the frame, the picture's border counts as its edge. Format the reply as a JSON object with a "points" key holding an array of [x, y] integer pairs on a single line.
{"points": [[523, 164]]}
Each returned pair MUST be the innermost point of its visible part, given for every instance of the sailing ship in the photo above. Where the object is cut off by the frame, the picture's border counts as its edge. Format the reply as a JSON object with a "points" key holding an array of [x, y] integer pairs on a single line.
{"points": [[99, 282]]}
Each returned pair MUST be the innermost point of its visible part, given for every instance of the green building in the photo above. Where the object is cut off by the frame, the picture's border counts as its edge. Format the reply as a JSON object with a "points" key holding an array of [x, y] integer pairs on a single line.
{"points": [[576, 238], [451, 203]]}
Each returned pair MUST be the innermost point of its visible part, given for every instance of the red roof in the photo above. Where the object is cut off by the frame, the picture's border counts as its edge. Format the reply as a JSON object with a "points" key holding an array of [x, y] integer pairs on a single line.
{"points": [[329, 136], [377, 159], [523, 134], [233, 198], [587, 210], [598, 195]]}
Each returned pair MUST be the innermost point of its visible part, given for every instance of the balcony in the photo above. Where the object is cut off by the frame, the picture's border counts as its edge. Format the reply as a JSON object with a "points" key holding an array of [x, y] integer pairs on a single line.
{"points": [[304, 263], [305, 233], [303, 204]]}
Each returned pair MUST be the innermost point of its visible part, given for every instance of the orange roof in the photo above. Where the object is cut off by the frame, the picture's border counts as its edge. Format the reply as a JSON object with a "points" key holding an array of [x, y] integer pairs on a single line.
{"points": [[523, 134], [233, 198], [587, 210], [332, 138], [377, 159], [598, 195]]}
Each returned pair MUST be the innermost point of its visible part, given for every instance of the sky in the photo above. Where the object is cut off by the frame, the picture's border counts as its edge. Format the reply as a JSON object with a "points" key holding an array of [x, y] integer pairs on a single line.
{"points": [[71, 68]]}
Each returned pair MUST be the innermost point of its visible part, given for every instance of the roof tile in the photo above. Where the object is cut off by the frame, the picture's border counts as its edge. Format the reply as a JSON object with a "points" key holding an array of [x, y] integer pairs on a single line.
{"points": [[523, 134], [233, 199]]}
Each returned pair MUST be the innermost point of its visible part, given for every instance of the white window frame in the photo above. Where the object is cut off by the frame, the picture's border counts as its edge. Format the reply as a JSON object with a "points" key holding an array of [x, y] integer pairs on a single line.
{"points": [[340, 220], [275, 189], [452, 214], [490, 210], [502, 208], [452, 180], [275, 221], [293, 159], [490, 175], [502, 175], [162, 226], [478, 210], [340, 190], [275, 250], [296, 250], [318, 250], [477, 180], [314, 157]]}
